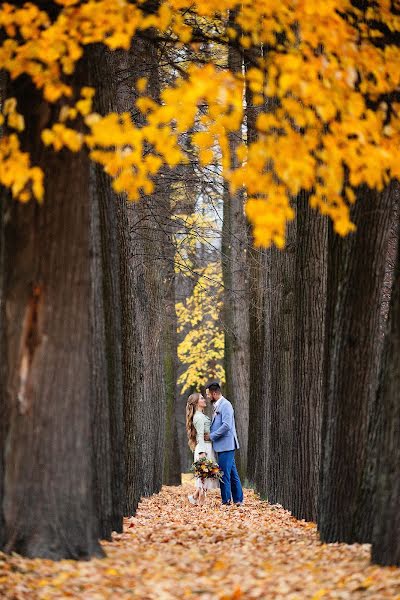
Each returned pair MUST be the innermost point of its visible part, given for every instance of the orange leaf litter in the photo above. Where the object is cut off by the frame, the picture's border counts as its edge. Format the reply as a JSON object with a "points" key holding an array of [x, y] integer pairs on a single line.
{"points": [[171, 549]]}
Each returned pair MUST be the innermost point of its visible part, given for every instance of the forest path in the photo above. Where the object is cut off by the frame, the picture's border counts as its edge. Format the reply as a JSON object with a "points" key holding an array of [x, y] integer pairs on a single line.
{"points": [[172, 550]]}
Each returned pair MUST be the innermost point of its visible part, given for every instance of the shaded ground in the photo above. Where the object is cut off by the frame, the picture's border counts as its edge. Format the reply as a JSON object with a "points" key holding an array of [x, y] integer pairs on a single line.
{"points": [[174, 550]]}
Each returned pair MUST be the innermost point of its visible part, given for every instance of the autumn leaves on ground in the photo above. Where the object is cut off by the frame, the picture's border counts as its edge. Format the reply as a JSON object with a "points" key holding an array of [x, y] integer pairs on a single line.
{"points": [[171, 549]]}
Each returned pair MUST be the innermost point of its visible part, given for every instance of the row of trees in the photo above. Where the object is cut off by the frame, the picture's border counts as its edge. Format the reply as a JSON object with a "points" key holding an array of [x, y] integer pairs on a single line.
{"points": [[322, 412], [322, 394], [89, 357], [88, 283]]}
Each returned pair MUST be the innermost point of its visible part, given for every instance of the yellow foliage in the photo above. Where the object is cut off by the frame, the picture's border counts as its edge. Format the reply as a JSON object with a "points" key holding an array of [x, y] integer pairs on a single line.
{"points": [[327, 124], [17, 173], [202, 349]]}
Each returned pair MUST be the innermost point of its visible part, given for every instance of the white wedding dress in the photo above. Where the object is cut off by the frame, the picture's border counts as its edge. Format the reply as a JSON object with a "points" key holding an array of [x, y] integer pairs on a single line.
{"points": [[202, 425]]}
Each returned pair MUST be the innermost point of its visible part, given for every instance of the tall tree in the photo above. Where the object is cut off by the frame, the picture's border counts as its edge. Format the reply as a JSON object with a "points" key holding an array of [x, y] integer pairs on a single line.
{"points": [[47, 504], [367, 498], [356, 268], [386, 531], [172, 461], [148, 270], [107, 362], [3, 404], [309, 340], [280, 315]]}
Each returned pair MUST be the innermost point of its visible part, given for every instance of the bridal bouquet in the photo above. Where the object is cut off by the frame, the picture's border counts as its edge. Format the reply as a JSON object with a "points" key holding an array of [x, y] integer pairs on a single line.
{"points": [[205, 468]]}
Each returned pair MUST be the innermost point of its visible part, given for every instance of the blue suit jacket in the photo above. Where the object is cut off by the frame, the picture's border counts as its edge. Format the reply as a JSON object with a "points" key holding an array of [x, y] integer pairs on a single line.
{"points": [[223, 429]]}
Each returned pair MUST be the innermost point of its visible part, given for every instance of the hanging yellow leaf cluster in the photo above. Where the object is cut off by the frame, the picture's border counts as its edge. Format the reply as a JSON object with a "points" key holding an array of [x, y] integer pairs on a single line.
{"points": [[327, 87], [202, 350]]}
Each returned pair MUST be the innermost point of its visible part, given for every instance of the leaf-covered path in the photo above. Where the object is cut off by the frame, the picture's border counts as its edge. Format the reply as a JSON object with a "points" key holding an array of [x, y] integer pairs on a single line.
{"points": [[171, 549]]}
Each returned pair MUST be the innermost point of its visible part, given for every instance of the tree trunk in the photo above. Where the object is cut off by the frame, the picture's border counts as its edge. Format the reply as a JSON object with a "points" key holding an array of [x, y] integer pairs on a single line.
{"points": [[367, 497], [280, 357], [256, 463], [307, 393], [148, 271], [149, 312], [4, 417], [102, 495], [236, 298], [386, 533], [172, 462], [48, 504], [103, 72], [114, 78], [356, 267]]}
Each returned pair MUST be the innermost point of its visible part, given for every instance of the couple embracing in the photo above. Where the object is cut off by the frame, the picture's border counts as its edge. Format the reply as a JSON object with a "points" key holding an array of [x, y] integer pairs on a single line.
{"points": [[210, 437]]}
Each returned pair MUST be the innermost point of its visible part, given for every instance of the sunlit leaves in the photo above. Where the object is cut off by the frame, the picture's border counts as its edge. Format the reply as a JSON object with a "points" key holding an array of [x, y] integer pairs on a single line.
{"points": [[17, 173], [325, 89], [201, 351]]}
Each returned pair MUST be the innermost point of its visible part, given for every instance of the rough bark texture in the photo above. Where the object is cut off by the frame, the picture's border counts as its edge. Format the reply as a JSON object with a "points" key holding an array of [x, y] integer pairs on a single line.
{"points": [[172, 462], [236, 297], [99, 399], [148, 271], [279, 365], [115, 78], [149, 310], [386, 533], [356, 267], [3, 403], [103, 76], [366, 504], [288, 292], [48, 506], [310, 306], [118, 95], [258, 422], [133, 472]]}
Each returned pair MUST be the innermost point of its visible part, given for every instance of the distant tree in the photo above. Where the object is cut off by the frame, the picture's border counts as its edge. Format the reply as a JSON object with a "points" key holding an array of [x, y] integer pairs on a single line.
{"points": [[202, 348]]}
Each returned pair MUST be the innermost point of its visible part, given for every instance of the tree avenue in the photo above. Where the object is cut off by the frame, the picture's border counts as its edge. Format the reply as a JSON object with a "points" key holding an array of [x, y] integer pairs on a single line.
{"points": [[293, 106]]}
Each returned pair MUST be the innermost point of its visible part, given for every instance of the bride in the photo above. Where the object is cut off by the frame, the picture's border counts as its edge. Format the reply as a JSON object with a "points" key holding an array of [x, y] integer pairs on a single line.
{"points": [[197, 424]]}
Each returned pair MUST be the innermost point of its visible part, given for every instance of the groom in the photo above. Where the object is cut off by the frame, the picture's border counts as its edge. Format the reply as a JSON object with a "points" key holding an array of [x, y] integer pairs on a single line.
{"points": [[225, 442]]}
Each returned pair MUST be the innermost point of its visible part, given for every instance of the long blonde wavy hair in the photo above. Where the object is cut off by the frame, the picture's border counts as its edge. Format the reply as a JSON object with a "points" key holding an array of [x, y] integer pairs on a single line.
{"points": [[191, 406]]}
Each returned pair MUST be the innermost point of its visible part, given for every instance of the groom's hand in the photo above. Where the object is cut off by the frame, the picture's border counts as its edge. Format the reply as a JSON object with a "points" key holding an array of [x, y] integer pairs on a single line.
{"points": [[207, 437]]}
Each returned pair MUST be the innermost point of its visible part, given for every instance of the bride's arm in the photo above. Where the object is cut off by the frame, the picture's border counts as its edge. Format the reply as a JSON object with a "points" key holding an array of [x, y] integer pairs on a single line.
{"points": [[199, 426]]}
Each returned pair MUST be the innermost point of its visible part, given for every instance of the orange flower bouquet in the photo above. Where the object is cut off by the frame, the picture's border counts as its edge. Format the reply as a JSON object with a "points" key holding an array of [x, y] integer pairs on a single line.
{"points": [[206, 469]]}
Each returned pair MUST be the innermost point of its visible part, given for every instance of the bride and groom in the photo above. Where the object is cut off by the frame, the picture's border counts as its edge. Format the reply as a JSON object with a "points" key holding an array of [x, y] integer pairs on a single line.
{"points": [[210, 437]]}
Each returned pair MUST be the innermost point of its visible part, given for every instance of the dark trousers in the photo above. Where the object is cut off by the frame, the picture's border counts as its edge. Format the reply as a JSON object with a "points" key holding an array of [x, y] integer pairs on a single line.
{"points": [[231, 488]]}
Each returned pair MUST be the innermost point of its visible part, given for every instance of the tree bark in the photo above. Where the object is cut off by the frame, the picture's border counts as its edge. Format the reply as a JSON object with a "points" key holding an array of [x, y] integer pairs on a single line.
{"points": [[48, 503], [356, 267], [367, 500], [256, 463], [386, 532], [102, 495], [103, 73], [148, 266], [280, 360], [4, 417], [307, 393], [172, 462]]}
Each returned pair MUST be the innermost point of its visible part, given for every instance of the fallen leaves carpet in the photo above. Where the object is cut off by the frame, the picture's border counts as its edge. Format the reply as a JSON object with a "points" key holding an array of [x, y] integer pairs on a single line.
{"points": [[171, 549]]}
